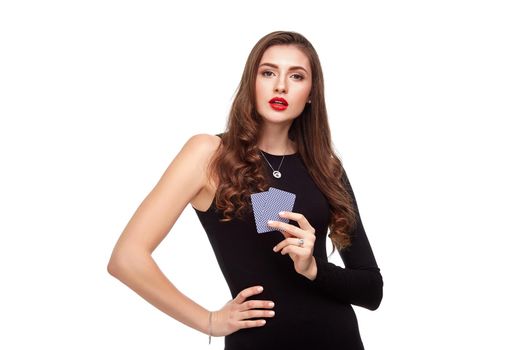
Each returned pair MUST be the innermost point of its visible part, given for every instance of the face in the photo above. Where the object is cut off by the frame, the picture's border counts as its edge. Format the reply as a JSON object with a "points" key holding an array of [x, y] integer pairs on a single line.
{"points": [[284, 71]]}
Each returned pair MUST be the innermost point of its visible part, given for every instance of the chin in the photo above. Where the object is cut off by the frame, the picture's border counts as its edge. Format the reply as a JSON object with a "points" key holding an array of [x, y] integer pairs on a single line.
{"points": [[278, 120], [278, 116]]}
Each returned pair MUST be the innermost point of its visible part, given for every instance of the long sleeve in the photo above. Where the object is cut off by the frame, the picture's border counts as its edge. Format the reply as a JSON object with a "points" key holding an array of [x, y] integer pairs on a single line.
{"points": [[360, 282]]}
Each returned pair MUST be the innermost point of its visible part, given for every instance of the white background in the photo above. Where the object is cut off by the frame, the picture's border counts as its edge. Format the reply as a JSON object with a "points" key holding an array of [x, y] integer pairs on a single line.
{"points": [[425, 101]]}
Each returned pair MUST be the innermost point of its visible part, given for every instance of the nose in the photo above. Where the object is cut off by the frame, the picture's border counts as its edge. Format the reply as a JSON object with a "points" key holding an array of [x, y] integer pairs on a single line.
{"points": [[280, 85]]}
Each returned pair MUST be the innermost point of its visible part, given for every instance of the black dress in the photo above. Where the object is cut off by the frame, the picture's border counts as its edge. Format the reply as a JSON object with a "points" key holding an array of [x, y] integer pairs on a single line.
{"points": [[314, 314]]}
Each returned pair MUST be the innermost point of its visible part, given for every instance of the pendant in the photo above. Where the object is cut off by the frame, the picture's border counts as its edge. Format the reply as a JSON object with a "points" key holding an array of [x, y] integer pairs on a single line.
{"points": [[276, 174]]}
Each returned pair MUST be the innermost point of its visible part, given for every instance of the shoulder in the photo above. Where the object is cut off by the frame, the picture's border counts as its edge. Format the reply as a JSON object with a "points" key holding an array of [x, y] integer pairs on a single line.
{"points": [[198, 152], [202, 145]]}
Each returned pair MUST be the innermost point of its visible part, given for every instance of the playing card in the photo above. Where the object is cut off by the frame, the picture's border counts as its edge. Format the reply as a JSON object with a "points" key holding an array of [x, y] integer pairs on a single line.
{"points": [[258, 205], [267, 205], [278, 200]]}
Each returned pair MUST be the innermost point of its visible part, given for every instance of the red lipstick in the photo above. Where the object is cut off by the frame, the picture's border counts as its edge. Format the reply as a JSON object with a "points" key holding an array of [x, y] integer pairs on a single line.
{"points": [[278, 103]]}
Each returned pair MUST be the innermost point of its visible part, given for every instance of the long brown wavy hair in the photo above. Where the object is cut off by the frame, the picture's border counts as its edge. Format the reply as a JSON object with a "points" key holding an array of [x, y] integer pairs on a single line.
{"points": [[238, 165]]}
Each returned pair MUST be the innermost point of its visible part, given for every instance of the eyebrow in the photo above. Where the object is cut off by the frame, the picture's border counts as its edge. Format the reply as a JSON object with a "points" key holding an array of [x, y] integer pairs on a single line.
{"points": [[276, 66]]}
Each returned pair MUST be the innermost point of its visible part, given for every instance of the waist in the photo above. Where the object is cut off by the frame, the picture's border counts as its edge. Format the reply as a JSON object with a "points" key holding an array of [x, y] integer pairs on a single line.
{"points": [[315, 325]]}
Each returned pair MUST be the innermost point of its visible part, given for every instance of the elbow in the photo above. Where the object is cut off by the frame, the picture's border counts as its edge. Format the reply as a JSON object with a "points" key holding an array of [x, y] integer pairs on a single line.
{"points": [[116, 264], [368, 293], [376, 292], [112, 268], [124, 262]]}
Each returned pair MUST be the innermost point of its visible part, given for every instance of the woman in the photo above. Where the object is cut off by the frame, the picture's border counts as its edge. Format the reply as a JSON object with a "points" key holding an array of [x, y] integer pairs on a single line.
{"points": [[277, 137]]}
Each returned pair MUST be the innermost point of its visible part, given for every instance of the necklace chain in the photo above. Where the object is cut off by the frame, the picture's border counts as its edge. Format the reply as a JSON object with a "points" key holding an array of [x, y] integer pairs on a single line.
{"points": [[276, 173]]}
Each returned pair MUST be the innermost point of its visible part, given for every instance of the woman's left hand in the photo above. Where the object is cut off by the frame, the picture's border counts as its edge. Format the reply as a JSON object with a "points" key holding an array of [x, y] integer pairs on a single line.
{"points": [[299, 242]]}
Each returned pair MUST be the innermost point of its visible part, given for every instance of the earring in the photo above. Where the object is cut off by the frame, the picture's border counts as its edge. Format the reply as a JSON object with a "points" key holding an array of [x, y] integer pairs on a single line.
{"points": [[309, 101]]}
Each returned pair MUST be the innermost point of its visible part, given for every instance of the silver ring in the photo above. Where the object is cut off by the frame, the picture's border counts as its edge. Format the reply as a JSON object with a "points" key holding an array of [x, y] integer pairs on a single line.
{"points": [[301, 242]]}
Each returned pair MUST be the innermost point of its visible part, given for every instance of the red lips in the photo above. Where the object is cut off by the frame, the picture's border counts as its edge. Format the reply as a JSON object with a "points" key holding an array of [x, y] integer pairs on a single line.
{"points": [[278, 103]]}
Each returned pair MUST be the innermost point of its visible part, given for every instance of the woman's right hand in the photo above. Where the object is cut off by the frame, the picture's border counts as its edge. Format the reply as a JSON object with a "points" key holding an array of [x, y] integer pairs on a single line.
{"points": [[233, 315]]}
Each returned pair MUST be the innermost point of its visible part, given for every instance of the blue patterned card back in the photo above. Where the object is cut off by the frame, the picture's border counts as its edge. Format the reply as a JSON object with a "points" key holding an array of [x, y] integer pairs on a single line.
{"points": [[258, 204], [278, 200], [267, 205]]}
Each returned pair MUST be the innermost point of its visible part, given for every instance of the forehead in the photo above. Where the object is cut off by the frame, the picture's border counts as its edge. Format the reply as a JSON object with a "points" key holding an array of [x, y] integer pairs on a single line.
{"points": [[285, 56]]}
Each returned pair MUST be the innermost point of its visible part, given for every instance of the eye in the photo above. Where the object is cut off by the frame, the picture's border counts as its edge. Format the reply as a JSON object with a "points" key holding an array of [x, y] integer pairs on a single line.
{"points": [[297, 76]]}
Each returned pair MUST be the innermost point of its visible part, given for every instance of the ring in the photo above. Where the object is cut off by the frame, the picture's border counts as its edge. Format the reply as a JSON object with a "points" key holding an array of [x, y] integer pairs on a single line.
{"points": [[301, 242]]}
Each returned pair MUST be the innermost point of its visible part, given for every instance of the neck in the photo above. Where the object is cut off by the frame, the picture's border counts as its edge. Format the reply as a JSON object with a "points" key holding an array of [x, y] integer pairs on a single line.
{"points": [[276, 143]]}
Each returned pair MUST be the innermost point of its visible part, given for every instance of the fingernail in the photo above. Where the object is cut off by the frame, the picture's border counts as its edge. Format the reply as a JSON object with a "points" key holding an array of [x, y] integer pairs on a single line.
{"points": [[281, 213], [274, 249], [260, 289], [270, 221], [271, 304]]}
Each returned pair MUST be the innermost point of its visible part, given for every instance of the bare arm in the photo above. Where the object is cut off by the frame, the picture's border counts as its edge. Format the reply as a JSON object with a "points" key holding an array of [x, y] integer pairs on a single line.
{"points": [[131, 261]]}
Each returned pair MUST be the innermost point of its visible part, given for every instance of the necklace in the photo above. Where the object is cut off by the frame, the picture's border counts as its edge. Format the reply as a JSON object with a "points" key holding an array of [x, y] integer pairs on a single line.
{"points": [[276, 173]]}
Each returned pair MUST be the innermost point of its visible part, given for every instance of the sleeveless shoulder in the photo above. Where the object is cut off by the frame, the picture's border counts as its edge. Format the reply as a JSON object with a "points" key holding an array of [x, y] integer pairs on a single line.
{"points": [[204, 143]]}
